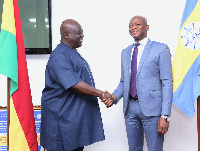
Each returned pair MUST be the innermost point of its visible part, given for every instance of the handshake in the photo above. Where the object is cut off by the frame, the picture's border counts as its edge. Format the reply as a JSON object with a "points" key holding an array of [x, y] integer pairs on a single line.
{"points": [[108, 99]]}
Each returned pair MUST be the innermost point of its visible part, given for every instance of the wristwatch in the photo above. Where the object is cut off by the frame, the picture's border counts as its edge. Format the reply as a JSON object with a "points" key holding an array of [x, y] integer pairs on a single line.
{"points": [[166, 117]]}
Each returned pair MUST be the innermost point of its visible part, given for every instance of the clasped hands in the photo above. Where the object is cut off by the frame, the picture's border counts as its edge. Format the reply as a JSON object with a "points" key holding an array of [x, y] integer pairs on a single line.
{"points": [[108, 99]]}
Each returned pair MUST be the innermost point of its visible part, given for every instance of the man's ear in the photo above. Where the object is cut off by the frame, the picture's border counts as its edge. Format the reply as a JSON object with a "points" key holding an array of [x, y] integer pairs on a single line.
{"points": [[66, 35], [147, 27]]}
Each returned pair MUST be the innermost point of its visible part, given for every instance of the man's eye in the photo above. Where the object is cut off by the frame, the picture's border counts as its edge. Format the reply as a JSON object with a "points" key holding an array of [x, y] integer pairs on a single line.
{"points": [[79, 33]]}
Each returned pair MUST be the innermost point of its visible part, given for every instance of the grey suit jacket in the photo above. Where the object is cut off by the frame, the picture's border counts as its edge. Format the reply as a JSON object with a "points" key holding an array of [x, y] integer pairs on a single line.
{"points": [[153, 81]]}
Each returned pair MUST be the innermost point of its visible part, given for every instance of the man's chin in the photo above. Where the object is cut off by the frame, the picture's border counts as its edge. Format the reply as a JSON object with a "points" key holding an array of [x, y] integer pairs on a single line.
{"points": [[79, 45], [134, 36]]}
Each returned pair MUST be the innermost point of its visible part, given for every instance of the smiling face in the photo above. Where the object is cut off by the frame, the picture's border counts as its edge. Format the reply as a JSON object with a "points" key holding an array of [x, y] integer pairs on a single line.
{"points": [[71, 33], [138, 28], [75, 35]]}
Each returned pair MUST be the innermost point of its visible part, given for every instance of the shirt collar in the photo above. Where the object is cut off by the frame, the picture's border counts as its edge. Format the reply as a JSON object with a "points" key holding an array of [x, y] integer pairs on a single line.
{"points": [[143, 42]]}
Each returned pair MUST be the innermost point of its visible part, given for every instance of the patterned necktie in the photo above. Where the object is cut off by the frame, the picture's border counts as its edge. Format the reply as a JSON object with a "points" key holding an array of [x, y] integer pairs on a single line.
{"points": [[133, 90]]}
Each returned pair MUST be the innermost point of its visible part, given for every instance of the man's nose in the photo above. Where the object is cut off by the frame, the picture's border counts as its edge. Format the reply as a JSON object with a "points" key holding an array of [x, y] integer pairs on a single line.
{"points": [[134, 26]]}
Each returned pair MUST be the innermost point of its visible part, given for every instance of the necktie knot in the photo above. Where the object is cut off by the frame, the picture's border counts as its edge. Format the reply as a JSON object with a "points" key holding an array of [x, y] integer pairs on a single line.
{"points": [[137, 44]]}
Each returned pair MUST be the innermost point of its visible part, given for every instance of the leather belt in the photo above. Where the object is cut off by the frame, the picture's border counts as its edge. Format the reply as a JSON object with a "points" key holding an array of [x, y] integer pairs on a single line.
{"points": [[135, 98]]}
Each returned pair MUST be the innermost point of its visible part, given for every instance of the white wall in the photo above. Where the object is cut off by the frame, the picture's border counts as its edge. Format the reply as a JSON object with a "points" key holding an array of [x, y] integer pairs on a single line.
{"points": [[105, 25]]}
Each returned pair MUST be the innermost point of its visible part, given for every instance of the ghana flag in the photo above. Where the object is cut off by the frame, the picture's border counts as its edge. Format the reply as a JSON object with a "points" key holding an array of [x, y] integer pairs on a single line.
{"points": [[22, 131], [186, 66]]}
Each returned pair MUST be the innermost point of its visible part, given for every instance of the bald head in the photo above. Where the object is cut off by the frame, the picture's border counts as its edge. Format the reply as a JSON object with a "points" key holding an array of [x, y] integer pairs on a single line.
{"points": [[140, 17], [71, 33], [67, 25]]}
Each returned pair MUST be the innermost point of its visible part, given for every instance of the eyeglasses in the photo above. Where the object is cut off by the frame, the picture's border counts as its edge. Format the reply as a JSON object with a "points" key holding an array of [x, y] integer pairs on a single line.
{"points": [[77, 33]]}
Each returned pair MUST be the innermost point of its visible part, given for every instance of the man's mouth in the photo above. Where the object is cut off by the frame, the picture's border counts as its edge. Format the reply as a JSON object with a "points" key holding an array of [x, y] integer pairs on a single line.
{"points": [[134, 31]]}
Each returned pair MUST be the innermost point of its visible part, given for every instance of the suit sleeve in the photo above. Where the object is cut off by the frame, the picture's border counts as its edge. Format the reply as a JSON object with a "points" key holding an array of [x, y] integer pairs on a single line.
{"points": [[120, 89], [166, 79]]}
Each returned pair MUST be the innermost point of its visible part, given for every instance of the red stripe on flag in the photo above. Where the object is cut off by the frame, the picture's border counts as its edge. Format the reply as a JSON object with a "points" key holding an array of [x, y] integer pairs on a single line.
{"points": [[22, 97]]}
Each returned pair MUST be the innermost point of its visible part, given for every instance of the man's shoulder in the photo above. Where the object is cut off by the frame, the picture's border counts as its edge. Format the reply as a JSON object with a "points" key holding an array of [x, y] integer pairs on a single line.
{"points": [[127, 48], [60, 48], [61, 51], [156, 43], [159, 47]]}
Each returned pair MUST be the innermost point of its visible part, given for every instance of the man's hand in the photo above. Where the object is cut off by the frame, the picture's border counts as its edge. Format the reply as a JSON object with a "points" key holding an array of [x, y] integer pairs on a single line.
{"points": [[109, 102], [107, 99], [163, 126]]}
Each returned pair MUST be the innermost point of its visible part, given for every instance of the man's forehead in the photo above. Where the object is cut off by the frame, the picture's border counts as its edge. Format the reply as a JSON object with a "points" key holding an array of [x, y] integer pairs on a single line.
{"points": [[73, 27], [137, 19]]}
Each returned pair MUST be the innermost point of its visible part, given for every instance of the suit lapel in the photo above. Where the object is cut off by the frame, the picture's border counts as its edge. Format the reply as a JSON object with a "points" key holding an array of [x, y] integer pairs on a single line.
{"points": [[145, 53], [128, 64], [129, 51]]}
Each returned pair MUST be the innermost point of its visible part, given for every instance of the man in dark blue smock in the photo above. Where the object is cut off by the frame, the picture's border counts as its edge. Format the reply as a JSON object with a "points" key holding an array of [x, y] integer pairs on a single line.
{"points": [[70, 111]]}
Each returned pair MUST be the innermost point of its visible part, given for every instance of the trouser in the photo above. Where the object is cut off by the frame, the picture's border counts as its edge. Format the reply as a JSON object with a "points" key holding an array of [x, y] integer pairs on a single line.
{"points": [[137, 124], [60, 146]]}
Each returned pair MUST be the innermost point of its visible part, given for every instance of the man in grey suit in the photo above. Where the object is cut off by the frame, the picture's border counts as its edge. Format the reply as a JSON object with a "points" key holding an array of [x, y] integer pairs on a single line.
{"points": [[147, 94]]}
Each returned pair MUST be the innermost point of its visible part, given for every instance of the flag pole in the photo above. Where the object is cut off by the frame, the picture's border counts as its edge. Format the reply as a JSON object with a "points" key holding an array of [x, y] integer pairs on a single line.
{"points": [[198, 121], [8, 111]]}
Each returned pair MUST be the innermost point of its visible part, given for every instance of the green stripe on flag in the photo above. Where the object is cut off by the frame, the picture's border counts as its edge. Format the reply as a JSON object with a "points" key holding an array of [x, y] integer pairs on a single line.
{"points": [[8, 58]]}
